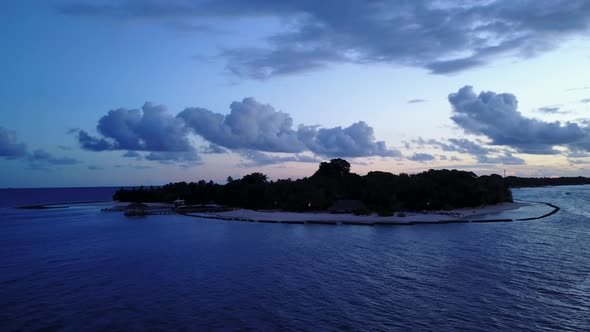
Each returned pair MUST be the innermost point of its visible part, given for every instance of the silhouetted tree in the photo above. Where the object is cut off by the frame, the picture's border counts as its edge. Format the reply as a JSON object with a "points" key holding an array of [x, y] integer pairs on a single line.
{"points": [[380, 191]]}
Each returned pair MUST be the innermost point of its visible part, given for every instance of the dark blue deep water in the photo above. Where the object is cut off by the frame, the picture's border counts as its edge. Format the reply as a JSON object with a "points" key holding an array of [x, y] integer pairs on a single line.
{"points": [[76, 269]]}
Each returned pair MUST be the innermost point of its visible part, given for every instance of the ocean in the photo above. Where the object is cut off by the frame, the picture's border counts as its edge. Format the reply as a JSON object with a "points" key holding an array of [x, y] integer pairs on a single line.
{"points": [[75, 268]]}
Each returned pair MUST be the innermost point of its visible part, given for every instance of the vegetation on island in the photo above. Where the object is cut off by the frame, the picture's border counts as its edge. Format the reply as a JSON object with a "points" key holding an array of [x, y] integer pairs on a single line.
{"points": [[518, 182], [381, 192]]}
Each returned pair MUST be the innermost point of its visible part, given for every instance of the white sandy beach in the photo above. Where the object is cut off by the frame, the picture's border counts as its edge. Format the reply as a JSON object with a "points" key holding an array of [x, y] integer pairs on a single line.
{"points": [[414, 217]]}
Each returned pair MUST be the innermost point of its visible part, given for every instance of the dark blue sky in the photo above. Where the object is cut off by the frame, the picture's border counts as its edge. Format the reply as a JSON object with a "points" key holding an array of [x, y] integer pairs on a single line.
{"points": [[145, 92]]}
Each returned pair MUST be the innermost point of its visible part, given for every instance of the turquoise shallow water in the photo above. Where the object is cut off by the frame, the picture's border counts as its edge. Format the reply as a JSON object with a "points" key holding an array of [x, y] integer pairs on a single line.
{"points": [[75, 268]]}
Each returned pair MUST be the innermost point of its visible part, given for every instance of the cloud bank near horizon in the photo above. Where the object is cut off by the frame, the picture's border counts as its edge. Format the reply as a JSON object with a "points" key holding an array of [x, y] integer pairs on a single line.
{"points": [[255, 131], [442, 37], [251, 129], [496, 117], [12, 149]]}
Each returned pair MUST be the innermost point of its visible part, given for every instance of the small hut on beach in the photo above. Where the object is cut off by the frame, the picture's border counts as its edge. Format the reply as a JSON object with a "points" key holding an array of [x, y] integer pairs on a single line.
{"points": [[136, 206], [135, 209]]}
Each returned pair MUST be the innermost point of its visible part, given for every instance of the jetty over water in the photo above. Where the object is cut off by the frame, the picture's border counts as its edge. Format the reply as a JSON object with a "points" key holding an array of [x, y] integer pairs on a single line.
{"points": [[148, 212]]}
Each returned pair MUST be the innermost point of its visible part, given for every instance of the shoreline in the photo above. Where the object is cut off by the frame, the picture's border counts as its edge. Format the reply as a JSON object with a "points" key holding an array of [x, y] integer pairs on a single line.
{"points": [[457, 216], [411, 218]]}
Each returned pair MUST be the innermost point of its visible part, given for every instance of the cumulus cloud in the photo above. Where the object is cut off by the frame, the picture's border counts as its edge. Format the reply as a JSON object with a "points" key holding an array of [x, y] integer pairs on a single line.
{"points": [[357, 140], [249, 125], [150, 129], [9, 145], [441, 36], [254, 126], [496, 116], [585, 101]]}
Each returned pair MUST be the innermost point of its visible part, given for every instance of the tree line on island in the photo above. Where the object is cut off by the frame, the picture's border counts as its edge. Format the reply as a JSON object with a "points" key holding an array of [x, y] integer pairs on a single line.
{"points": [[381, 192], [518, 182]]}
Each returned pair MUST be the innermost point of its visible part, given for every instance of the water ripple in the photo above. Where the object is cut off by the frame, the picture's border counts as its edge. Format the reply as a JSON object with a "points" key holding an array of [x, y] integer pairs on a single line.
{"points": [[77, 269]]}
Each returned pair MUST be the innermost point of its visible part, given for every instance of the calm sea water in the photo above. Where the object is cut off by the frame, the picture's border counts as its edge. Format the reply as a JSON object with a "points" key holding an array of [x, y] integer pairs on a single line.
{"points": [[76, 269]]}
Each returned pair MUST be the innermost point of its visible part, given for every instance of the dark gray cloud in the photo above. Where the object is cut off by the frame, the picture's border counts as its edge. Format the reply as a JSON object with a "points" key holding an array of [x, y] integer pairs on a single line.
{"points": [[9, 145], [90, 143], [133, 154], [463, 145], [168, 156], [506, 159], [460, 145], [421, 157], [42, 157], [262, 64], [416, 101], [482, 154], [440, 36], [39, 159], [134, 166], [257, 158], [496, 116]]}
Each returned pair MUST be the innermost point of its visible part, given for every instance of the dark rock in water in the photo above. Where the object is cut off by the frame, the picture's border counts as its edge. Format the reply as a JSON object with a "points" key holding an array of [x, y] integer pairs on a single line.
{"points": [[492, 220], [321, 222], [268, 221], [358, 223]]}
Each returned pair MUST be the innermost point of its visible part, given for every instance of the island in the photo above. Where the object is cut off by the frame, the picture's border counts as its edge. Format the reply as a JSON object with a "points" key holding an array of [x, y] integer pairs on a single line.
{"points": [[334, 189]]}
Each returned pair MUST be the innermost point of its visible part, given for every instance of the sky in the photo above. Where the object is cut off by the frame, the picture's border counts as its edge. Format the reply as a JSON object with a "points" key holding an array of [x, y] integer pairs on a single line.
{"points": [[131, 92]]}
